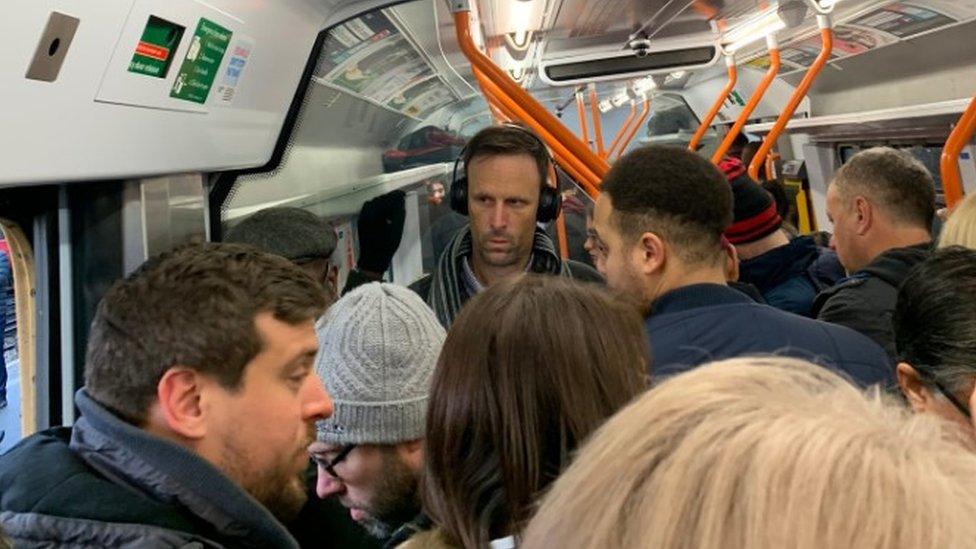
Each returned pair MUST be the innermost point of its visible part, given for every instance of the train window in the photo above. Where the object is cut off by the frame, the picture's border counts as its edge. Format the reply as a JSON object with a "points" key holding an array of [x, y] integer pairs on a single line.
{"points": [[17, 402], [383, 111], [671, 120]]}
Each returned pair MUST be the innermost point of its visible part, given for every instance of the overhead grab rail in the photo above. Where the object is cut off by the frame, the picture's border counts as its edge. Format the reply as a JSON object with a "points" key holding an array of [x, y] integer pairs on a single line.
{"points": [[717, 106], [555, 133], [573, 166], [740, 122], [597, 129], [633, 130], [827, 46], [623, 129], [581, 113], [949, 162]]}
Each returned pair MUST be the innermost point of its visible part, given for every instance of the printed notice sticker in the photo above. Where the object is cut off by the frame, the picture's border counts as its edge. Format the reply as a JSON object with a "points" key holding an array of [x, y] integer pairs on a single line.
{"points": [[240, 54], [203, 58], [156, 48]]}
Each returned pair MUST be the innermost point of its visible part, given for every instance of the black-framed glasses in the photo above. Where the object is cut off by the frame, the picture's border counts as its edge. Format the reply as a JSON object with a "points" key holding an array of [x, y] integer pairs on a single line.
{"points": [[963, 409], [329, 465]]}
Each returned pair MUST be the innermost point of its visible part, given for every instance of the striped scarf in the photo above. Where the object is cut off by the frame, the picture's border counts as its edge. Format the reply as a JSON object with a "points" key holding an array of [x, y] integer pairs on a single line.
{"points": [[447, 293]]}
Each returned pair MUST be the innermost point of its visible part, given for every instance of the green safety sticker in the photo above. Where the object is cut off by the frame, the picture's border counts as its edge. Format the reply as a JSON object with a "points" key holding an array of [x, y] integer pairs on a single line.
{"points": [[199, 69], [154, 52]]}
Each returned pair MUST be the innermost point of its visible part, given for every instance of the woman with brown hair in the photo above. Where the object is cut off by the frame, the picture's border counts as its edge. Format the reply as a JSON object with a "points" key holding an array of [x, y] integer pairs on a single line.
{"points": [[529, 369]]}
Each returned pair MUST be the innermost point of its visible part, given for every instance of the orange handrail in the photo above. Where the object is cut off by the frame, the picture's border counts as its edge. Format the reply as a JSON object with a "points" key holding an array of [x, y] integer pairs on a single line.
{"points": [[827, 46], [561, 236], [555, 129], [633, 130], [569, 163], [717, 106], [623, 129], [949, 162], [581, 114], [597, 129], [753, 102]]}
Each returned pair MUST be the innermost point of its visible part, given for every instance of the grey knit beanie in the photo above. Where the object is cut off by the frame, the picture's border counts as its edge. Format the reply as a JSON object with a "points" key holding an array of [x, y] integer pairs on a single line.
{"points": [[295, 234], [378, 346]]}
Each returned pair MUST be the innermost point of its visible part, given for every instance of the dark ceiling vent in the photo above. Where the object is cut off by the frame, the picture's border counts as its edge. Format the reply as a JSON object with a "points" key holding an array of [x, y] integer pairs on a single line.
{"points": [[629, 65]]}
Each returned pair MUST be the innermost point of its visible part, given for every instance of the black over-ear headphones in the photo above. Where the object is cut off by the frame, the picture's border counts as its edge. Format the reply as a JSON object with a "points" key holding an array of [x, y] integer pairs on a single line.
{"points": [[550, 201]]}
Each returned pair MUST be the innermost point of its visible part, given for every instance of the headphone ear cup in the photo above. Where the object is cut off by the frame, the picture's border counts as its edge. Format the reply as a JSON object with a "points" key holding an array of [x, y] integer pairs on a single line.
{"points": [[550, 203], [459, 195]]}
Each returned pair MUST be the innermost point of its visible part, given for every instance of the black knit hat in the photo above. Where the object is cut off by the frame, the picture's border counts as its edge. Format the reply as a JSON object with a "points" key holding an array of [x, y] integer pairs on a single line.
{"points": [[754, 210], [293, 233]]}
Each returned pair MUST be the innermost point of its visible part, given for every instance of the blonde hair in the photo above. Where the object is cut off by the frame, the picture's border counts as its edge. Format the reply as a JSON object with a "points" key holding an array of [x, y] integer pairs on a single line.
{"points": [[960, 228], [763, 453]]}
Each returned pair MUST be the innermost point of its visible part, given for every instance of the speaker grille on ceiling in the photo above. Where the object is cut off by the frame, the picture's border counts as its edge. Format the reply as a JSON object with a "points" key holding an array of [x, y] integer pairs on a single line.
{"points": [[622, 66]]}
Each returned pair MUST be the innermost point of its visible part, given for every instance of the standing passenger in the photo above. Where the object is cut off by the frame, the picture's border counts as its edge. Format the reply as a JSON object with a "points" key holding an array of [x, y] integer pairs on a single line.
{"points": [[378, 348], [881, 204], [200, 401], [659, 225], [960, 228], [935, 335], [788, 273], [529, 369], [505, 189], [763, 453]]}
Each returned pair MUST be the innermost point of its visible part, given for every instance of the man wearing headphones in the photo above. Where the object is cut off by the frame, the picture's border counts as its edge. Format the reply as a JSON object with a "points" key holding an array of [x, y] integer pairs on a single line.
{"points": [[506, 187]]}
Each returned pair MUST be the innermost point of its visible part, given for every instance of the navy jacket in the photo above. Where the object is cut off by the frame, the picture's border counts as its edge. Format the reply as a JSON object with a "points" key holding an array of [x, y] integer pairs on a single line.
{"points": [[106, 483], [704, 322], [790, 277]]}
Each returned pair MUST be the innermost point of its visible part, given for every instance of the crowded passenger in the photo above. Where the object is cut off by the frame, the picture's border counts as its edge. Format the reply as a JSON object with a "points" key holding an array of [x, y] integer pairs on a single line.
{"points": [[309, 241], [788, 273], [378, 348], [881, 204], [659, 224], [935, 334], [199, 404], [505, 186], [529, 369], [763, 453], [960, 228]]}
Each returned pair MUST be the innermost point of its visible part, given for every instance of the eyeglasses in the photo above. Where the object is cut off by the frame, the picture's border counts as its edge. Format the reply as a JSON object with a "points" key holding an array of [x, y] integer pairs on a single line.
{"points": [[946, 393], [329, 465]]}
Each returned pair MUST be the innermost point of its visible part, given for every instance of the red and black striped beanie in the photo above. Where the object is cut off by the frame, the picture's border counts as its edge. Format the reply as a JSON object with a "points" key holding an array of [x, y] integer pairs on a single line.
{"points": [[754, 210]]}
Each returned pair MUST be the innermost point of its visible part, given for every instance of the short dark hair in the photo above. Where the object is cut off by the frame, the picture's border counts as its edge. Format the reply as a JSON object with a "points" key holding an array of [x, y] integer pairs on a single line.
{"points": [[194, 306], [892, 179], [935, 317], [674, 193], [508, 139]]}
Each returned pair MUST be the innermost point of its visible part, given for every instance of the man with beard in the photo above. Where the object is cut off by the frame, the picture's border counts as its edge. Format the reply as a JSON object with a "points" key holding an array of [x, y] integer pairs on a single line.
{"points": [[506, 186], [379, 346], [199, 402]]}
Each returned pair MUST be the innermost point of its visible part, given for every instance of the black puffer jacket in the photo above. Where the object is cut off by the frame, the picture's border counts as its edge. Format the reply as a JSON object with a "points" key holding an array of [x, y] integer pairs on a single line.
{"points": [[865, 300], [106, 483]]}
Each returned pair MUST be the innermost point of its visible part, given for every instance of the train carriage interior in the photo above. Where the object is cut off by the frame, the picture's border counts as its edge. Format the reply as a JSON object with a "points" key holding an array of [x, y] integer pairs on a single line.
{"points": [[130, 127]]}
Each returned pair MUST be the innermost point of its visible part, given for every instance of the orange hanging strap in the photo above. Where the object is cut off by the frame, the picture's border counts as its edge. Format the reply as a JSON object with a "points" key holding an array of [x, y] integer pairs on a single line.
{"points": [[827, 46], [623, 129], [753, 102], [597, 129], [949, 162], [633, 130], [717, 106]]}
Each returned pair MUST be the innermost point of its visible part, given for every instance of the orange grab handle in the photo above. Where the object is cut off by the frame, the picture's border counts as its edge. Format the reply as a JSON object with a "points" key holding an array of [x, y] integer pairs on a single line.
{"points": [[623, 129], [581, 114], [827, 37], [568, 163], [949, 161], [557, 132], [751, 105], [597, 129], [633, 130], [717, 106]]}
